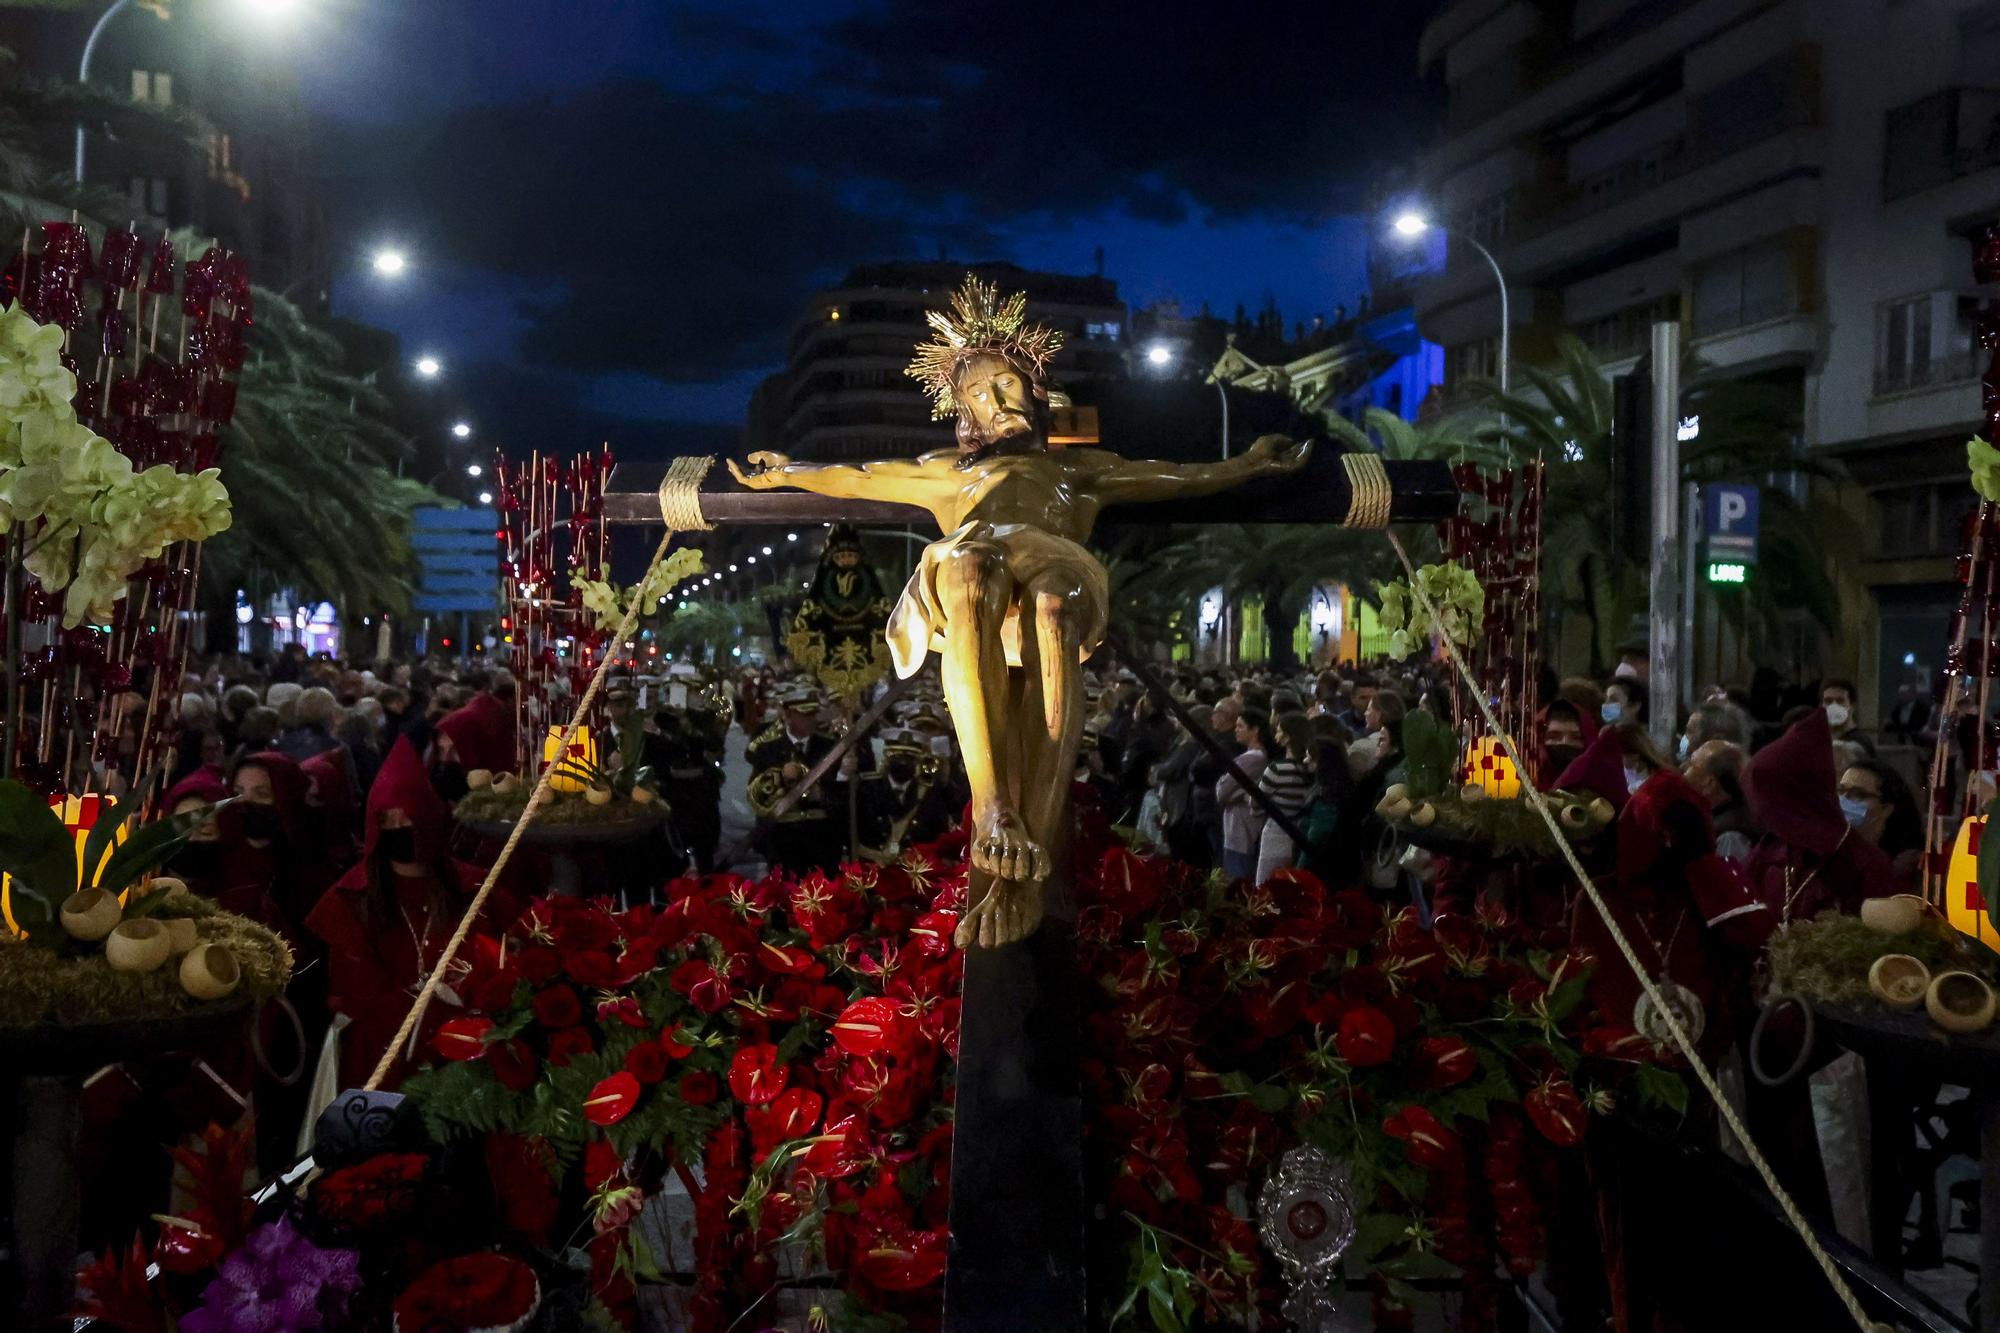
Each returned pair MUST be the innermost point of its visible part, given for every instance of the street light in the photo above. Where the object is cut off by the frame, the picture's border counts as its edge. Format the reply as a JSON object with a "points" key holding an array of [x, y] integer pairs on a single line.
{"points": [[767, 550], [461, 429], [389, 262], [1159, 354], [429, 367], [472, 469], [486, 497], [1411, 224]]}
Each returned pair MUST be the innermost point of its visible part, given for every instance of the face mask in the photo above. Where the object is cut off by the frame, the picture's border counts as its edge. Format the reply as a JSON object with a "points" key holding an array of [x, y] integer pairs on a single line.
{"points": [[1611, 712], [448, 781], [197, 860], [398, 844], [261, 821], [1854, 811], [1625, 671], [1681, 751], [902, 770], [1561, 757], [1635, 778], [1837, 715]]}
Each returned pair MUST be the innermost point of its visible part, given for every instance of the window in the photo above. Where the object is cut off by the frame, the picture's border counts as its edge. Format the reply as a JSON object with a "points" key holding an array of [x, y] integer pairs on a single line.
{"points": [[155, 86], [1903, 344], [1486, 221], [1473, 360], [156, 196], [1746, 286], [147, 194]]}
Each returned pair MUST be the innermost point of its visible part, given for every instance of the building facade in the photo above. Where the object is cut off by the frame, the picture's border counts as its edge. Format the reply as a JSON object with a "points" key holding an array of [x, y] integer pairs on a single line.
{"points": [[1796, 182], [843, 393]]}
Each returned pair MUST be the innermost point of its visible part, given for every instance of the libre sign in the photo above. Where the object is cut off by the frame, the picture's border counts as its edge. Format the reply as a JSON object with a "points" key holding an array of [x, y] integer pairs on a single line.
{"points": [[1729, 531]]}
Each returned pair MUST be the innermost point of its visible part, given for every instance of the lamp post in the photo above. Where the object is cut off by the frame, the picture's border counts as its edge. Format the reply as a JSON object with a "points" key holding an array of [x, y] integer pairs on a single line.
{"points": [[1412, 224], [83, 71], [1160, 356]]}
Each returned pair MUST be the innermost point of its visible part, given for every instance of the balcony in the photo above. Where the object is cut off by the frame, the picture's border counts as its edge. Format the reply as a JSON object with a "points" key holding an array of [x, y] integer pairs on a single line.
{"points": [[1935, 140], [1958, 366]]}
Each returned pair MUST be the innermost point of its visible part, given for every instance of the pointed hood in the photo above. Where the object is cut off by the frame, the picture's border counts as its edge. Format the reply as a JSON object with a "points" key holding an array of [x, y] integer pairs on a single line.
{"points": [[403, 783], [288, 790], [1664, 823], [1600, 770], [1790, 786]]}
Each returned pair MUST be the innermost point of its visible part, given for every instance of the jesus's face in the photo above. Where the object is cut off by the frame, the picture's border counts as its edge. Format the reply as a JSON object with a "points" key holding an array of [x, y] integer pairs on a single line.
{"points": [[1000, 400]]}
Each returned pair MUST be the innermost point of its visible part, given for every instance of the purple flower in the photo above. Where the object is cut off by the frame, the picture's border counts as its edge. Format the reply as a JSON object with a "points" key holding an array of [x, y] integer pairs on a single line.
{"points": [[278, 1282]]}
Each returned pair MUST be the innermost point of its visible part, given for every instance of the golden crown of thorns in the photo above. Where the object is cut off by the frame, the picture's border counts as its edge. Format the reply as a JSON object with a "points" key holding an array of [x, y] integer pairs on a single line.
{"points": [[979, 322]]}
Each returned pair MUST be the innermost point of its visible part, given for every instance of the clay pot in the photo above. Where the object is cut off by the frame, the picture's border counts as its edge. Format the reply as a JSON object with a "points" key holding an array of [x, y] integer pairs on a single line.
{"points": [[643, 796], [181, 930], [210, 972], [1471, 792], [1899, 981], [165, 884], [91, 914], [479, 779], [1601, 811], [1897, 915], [597, 795], [1398, 791], [1960, 1002], [1424, 815], [1574, 817], [138, 946], [503, 783]]}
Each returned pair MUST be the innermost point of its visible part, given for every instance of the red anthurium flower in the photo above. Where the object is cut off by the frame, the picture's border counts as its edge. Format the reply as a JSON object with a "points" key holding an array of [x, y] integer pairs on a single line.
{"points": [[679, 1050], [612, 1099], [756, 1075], [869, 1025], [1366, 1036], [513, 1064], [930, 935], [185, 1246], [791, 1116], [1444, 1062], [1557, 1111], [833, 1154], [462, 1038], [1425, 1138], [903, 1259], [784, 960]]}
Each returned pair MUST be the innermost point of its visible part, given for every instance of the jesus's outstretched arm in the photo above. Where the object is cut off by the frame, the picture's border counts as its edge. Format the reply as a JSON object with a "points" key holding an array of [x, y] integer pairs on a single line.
{"points": [[1123, 480], [903, 480]]}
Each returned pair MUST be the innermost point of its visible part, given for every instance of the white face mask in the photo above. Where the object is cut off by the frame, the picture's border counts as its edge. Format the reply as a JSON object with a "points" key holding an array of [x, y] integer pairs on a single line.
{"points": [[1635, 778], [1625, 671], [1837, 715]]}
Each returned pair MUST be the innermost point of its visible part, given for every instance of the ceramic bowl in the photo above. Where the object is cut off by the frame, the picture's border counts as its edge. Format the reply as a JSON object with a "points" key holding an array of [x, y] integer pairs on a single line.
{"points": [[479, 779], [91, 914], [643, 795], [181, 930], [1898, 915], [1899, 981], [1470, 792], [1424, 815], [598, 795], [138, 946], [210, 972], [1960, 1002]]}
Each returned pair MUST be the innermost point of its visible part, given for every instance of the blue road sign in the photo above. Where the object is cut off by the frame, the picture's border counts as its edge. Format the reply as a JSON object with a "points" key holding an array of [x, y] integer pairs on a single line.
{"points": [[1729, 523], [460, 559]]}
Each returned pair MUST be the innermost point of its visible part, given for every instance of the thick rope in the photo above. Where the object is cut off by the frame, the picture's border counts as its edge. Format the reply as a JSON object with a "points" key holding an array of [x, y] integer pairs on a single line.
{"points": [[1646, 983], [534, 805], [680, 493], [1369, 492]]}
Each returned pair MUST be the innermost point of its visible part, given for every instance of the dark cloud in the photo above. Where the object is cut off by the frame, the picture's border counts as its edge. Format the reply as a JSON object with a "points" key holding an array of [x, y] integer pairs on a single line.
{"points": [[683, 209]]}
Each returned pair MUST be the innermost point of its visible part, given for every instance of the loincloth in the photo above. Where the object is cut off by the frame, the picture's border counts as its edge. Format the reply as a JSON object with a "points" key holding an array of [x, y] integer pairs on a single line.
{"points": [[917, 624]]}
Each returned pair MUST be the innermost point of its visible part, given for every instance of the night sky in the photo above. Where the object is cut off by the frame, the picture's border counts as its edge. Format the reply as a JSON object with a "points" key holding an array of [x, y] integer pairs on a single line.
{"points": [[615, 209]]}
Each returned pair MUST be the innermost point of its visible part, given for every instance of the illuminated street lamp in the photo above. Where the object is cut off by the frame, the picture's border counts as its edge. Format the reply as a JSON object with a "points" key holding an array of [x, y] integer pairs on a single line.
{"points": [[486, 497], [429, 367], [461, 429], [472, 469], [1159, 354], [389, 262], [1411, 224]]}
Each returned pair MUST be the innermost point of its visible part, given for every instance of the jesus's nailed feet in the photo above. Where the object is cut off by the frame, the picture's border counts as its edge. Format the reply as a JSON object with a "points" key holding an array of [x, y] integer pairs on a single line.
{"points": [[1002, 848], [1009, 912]]}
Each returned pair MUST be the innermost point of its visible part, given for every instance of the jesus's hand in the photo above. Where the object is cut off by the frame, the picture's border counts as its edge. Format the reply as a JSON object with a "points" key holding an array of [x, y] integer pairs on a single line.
{"points": [[1277, 453], [769, 466]]}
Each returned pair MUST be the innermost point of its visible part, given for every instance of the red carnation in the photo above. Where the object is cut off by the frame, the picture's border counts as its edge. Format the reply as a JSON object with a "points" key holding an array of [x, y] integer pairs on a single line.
{"points": [[1424, 1137], [1557, 1111], [646, 1062], [612, 1099], [1365, 1037], [462, 1038], [568, 1043], [557, 1008], [1444, 1062], [698, 1087], [756, 1074]]}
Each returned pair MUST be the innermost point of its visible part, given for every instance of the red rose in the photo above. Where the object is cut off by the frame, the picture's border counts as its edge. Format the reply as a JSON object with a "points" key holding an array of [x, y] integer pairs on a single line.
{"points": [[1424, 1137], [646, 1062], [568, 1043], [612, 1099], [1365, 1037], [1444, 1062], [513, 1064], [462, 1038], [699, 1088], [756, 1075], [1557, 1111], [537, 964], [557, 1007], [593, 967]]}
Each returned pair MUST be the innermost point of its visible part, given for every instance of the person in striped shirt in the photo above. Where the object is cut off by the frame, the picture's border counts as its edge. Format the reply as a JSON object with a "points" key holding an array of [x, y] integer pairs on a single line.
{"points": [[1288, 781]]}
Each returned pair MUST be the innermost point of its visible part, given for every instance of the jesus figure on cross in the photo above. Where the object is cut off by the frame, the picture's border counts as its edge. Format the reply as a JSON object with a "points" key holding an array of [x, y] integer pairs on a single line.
{"points": [[1008, 597]]}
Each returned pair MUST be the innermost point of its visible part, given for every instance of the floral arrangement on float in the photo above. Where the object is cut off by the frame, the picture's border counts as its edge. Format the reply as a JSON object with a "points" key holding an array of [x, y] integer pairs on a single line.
{"points": [[786, 1050]]}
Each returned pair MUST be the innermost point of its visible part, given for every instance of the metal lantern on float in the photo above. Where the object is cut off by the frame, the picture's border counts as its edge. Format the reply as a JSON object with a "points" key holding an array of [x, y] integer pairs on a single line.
{"points": [[1488, 767], [79, 815], [582, 750], [1964, 905]]}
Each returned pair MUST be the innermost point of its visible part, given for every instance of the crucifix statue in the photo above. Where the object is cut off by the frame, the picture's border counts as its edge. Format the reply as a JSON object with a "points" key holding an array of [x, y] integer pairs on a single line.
{"points": [[1008, 596]]}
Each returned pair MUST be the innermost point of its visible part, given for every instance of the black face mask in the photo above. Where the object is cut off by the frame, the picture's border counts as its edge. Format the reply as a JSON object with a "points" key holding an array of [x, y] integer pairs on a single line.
{"points": [[197, 860], [1560, 757], [902, 770], [261, 821], [448, 781], [398, 844]]}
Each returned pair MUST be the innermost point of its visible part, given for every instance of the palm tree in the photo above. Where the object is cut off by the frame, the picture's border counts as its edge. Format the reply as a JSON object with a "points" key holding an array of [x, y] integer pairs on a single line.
{"points": [[1748, 429], [1458, 437]]}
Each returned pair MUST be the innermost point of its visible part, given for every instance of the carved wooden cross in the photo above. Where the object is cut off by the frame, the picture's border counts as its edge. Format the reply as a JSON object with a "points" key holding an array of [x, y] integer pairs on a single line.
{"points": [[1017, 1204]]}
